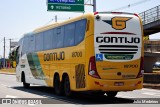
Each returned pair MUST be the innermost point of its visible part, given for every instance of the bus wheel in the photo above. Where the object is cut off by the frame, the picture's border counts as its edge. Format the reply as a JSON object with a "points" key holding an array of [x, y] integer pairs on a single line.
{"points": [[57, 85], [25, 85], [111, 94], [98, 93], [67, 90]]}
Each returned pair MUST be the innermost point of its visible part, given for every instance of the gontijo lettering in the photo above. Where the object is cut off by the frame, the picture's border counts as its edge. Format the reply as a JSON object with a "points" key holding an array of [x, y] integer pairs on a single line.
{"points": [[54, 56], [101, 39]]}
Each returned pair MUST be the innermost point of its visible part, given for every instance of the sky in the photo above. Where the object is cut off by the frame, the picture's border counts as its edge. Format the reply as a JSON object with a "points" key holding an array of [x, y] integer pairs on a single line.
{"points": [[18, 17]]}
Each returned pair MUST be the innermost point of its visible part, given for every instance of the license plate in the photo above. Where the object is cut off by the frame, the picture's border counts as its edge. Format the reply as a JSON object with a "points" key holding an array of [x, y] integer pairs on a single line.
{"points": [[119, 83]]}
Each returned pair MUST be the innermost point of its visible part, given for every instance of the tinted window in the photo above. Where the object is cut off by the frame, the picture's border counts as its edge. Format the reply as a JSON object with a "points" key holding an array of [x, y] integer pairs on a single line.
{"points": [[80, 31], [31, 43], [39, 42], [54, 43], [20, 46], [48, 35], [25, 45], [69, 35], [64, 36], [60, 37]]}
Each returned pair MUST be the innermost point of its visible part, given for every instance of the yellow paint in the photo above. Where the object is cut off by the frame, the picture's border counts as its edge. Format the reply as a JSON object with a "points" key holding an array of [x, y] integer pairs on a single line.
{"points": [[119, 23], [87, 48]]}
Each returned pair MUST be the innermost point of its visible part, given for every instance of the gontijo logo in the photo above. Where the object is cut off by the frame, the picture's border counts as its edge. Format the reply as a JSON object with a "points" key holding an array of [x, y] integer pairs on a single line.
{"points": [[118, 23]]}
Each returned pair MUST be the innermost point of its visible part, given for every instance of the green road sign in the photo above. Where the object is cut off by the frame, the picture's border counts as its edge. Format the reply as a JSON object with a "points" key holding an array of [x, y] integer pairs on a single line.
{"points": [[66, 1], [65, 7]]}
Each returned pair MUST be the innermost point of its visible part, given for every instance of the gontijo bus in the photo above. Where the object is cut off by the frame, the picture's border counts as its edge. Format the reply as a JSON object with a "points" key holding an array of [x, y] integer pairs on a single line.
{"points": [[100, 52]]}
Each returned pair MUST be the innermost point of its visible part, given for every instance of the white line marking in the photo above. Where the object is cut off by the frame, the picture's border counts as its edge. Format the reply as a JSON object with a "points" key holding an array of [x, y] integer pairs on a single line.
{"points": [[153, 90], [3, 85], [10, 96], [151, 93], [122, 96], [45, 96]]}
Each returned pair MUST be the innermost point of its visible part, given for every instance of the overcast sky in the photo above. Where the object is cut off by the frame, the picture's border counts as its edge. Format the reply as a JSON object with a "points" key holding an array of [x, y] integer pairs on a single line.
{"points": [[21, 16]]}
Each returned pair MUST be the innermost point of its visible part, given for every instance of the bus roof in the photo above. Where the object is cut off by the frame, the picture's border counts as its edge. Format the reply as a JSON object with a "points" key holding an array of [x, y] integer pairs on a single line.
{"points": [[54, 25], [41, 29]]}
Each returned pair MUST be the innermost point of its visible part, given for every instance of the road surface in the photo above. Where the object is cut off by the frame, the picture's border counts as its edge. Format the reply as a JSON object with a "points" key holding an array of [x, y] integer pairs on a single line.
{"points": [[9, 88]]}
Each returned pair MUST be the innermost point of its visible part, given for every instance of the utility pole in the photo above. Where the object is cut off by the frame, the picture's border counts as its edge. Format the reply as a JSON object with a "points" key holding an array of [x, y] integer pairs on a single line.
{"points": [[4, 61], [10, 44], [55, 18], [94, 5]]}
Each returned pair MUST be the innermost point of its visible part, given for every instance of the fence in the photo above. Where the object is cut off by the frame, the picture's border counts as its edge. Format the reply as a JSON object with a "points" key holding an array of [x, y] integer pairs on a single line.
{"points": [[150, 15]]}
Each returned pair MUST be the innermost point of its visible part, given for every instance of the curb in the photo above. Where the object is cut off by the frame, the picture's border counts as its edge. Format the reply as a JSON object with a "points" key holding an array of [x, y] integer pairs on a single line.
{"points": [[151, 86], [7, 73]]}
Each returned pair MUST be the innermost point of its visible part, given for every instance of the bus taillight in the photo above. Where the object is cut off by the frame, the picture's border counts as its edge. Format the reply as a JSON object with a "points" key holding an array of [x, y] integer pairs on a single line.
{"points": [[141, 70], [136, 15], [95, 13], [92, 68]]}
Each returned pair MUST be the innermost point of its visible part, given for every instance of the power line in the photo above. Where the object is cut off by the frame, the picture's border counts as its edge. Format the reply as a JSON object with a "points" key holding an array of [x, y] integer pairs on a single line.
{"points": [[131, 5], [56, 19]]}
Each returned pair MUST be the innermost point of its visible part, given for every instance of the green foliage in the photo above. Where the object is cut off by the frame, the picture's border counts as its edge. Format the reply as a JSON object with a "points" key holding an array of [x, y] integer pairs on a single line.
{"points": [[12, 56]]}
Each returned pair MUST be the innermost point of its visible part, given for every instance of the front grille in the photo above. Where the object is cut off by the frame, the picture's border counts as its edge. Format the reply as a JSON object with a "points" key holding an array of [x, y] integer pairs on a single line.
{"points": [[118, 49]]}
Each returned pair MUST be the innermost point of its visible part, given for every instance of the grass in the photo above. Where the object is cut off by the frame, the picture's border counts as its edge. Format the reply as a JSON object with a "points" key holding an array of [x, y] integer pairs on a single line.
{"points": [[8, 70]]}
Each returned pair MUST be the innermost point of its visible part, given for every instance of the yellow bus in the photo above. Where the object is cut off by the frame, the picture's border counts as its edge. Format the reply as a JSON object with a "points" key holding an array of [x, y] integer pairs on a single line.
{"points": [[99, 52]]}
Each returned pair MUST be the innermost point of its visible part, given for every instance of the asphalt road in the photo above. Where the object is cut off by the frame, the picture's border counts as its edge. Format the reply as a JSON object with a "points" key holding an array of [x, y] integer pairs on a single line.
{"points": [[9, 88]]}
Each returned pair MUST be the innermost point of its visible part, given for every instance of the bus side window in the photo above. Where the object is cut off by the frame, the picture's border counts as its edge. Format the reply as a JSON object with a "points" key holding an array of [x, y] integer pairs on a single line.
{"points": [[55, 38], [69, 35], [31, 43], [80, 31], [39, 42], [47, 39], [25, 46], [60, 37]]}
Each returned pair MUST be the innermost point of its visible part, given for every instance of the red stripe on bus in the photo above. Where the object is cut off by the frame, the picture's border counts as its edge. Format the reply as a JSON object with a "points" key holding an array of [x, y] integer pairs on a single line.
{"points": [[126, 33]]}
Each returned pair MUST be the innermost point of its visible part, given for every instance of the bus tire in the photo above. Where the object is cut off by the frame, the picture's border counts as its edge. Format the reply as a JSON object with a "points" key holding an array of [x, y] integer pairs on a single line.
{"points": [[98, 93], [57, 85], [67, 90], [111, 94], [25, 85]]}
